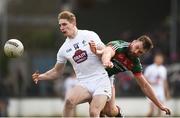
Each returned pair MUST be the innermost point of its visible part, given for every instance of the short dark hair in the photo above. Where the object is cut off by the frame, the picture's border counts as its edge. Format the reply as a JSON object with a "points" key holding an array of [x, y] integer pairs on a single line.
{"points": [[159, 54], [147, 42]]}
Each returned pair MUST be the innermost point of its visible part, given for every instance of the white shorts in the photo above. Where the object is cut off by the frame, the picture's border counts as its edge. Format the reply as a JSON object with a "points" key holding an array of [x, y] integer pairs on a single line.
{"points": [[100, 86], [112, 80]]}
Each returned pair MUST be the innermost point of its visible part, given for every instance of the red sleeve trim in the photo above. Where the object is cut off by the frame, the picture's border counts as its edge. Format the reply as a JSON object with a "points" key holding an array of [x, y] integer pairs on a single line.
{"points": [[137, 74]]}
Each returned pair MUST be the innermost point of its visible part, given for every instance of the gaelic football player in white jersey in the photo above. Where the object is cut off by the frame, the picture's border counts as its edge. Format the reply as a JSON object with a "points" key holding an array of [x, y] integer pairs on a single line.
{"points": [[156, 75], [93, 79]]}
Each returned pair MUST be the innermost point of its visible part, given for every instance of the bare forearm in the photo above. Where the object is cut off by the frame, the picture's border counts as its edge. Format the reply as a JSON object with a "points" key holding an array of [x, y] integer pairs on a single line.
{"points": [[148, 91], [49, 75], [108, 53], [106, 57], [52, 73]]}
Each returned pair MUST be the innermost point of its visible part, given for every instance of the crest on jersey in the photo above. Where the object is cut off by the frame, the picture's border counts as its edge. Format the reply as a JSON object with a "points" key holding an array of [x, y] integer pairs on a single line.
{"points": [[84, 43], [76, 46], [80, 56]]}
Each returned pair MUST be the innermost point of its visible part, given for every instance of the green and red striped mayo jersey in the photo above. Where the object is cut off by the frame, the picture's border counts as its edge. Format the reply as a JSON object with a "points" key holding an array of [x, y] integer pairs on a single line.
{"points": [[123, 59]]}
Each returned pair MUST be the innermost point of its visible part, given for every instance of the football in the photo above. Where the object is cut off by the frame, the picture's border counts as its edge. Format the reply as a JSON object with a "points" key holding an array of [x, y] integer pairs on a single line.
{"points": [[13, 48]]}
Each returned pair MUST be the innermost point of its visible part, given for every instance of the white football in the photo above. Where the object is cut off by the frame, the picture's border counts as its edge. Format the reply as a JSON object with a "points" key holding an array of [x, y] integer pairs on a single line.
{"points": [[13, 48]]}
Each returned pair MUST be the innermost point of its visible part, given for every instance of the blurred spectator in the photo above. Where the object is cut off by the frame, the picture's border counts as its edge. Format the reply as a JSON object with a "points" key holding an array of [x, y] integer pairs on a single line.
{"points": [[4, 94], [3, 99], [70, 81], [17, 79], [65, 82], [156, 75], [59, 89], [174, 79]]}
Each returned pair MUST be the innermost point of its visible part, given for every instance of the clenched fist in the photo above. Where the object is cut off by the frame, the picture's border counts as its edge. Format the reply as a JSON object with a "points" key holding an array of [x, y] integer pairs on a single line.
{"points": [[35, 77]]}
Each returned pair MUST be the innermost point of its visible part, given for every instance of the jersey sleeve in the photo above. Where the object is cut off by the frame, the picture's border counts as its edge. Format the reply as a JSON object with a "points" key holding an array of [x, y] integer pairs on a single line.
{"points": [[114, 45], [137, 68], [93, 36], [118, 45], [60, 56]]}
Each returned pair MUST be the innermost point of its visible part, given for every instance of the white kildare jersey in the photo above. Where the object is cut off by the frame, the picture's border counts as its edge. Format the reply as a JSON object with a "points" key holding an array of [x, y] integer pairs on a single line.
{"points": [[156, 75], [77, 51]]}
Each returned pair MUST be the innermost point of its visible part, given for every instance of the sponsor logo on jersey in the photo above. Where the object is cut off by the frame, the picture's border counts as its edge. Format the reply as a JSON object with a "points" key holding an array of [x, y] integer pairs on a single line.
{"points": [[68, 50], [80, 56], [124, 60]]}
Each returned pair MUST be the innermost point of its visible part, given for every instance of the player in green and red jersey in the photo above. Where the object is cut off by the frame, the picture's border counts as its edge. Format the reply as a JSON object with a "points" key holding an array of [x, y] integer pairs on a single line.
{"points": [[119, 56], [123, 60]]}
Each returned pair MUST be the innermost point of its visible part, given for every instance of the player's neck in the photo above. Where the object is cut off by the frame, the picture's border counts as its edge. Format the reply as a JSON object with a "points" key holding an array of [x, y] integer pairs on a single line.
{"points": [[74, 33], [157, 64]]}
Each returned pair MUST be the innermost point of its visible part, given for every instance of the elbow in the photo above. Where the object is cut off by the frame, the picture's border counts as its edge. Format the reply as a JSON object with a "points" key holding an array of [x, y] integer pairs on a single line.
{"points": [[145, 86], [109, 51], [143, 83]]}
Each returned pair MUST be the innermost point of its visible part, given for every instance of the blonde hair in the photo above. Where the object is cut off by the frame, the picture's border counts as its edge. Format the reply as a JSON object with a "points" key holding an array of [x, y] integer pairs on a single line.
{"points": [[147, 42], [69, 16]]}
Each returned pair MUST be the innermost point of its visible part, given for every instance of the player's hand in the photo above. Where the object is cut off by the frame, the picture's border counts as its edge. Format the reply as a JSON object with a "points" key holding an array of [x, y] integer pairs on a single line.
{"points": [[108, 64], [93, 46], [35, 77], [167, 110], [97, 50]]}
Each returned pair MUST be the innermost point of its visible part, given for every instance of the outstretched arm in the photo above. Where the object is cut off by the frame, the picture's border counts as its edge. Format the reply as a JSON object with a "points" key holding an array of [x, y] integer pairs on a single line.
{"points": [[108, 53], [51, 74], [148, 91]]}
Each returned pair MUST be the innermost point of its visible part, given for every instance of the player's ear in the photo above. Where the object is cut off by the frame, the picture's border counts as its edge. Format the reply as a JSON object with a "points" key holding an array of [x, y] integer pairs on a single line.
{"points": [[74, 23]]}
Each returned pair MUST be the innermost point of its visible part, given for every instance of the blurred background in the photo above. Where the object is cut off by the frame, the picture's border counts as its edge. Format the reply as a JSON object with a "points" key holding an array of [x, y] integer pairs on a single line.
{"points": [[35, 24]]}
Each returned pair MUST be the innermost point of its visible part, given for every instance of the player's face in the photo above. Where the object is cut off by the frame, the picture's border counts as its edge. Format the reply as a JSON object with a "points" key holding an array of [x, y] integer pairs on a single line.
{"points": [[158, 59], [136, 48], [66, 27]]}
